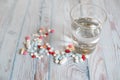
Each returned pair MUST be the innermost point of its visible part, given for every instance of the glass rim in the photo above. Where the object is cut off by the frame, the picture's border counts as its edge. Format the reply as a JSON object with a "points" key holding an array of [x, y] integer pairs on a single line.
{"points": [[102, 22]]}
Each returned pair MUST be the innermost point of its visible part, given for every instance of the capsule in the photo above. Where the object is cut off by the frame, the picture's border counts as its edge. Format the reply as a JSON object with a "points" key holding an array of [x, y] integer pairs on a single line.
{"points": [[22, 50], [35, 35], [27, 44], [76, 57], [73, 55]]}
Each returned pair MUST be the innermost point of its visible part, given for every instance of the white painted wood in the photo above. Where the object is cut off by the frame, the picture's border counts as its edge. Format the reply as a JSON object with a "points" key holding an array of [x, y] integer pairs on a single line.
{"points": [[109, 43], [31, 69], [19, 18], [11, 26]]}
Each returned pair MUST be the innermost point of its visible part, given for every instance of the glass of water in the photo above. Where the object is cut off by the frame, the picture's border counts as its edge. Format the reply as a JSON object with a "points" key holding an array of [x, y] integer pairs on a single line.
{"points": [[86, 25]]}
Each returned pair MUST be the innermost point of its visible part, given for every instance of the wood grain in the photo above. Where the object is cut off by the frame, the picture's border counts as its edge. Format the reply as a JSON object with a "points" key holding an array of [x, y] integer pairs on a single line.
{"points": [[19, 18], [11, 28], [112, 52], [31, 69], [109, 42]]}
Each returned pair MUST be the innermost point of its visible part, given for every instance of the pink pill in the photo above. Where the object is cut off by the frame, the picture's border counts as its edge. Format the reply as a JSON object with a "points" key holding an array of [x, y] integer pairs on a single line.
{"points": [[52, 31], [40, 37], [70, 45], [27, 38], [25, 52]]}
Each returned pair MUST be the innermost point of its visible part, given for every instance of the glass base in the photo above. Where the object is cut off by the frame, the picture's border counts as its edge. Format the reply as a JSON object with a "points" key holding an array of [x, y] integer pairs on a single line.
{"points": [[85, 51]]}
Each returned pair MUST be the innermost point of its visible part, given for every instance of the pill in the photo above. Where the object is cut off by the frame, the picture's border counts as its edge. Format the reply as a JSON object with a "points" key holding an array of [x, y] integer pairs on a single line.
{"points": [[27, 44], [35, 35], [57, 61], [52, 31], [76, 61], [64, 60], [27, 38]]}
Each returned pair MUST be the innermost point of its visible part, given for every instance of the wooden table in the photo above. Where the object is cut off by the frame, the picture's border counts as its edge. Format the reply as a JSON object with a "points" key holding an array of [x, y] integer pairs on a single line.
{"points": [[19, 18]]}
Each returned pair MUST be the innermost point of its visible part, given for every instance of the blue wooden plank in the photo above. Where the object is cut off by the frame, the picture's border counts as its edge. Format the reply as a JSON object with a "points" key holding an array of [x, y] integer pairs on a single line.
{"points": [[9, 39], [18, 40], [33, 68], [45, 21]]}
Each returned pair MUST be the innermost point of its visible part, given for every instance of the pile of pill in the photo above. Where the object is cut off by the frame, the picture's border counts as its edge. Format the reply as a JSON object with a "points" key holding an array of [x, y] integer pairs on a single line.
{"points": [[37, 47]]}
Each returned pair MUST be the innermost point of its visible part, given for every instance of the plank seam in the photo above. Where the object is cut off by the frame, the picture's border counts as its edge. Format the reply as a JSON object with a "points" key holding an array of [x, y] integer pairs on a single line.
{"points": [[18, 41]]}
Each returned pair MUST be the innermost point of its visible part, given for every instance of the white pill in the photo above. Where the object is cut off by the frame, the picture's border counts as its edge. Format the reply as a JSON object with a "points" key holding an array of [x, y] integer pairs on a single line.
{"points": [[57, 61], [32, 54], [35, 39], [76, 61], [48, 54], [40, 31], [73, 55], [44, 35], [76, 57], [55, 55], [62, 52], [57, 52], [47, 44], [41, 56], [64, 60], [39, 40], [49, 30], [27, 43], [50, 50], [81, 60], [35, 48], [35, 53], [36, 35]]}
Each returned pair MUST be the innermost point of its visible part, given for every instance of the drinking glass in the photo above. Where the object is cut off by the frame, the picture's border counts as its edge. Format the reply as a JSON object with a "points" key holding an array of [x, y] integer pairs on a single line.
{"points": [[87, 22]]}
